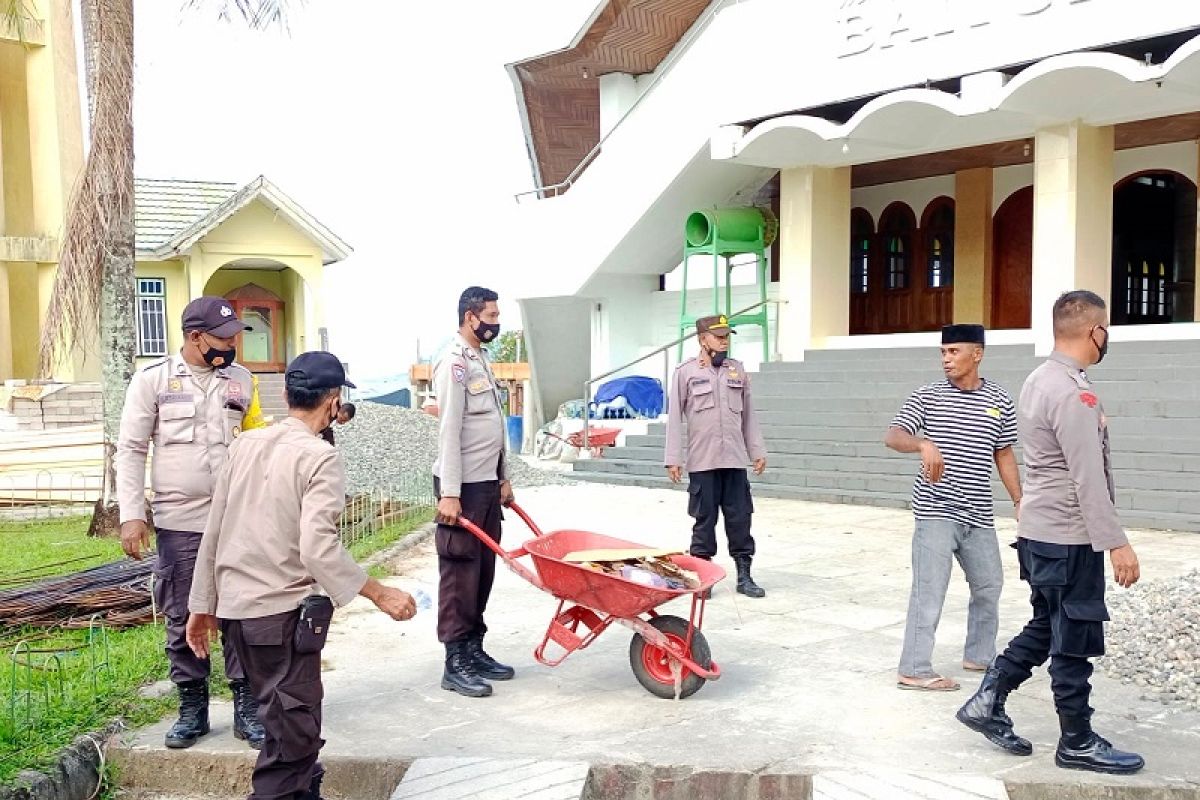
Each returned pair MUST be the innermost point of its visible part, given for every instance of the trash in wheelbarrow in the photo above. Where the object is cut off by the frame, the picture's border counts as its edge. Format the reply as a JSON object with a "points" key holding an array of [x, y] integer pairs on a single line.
{"points": [[643, 566]]}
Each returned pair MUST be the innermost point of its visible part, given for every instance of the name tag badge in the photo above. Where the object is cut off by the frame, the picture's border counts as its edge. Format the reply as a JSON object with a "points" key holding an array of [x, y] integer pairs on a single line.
{"points": [[175, 397], [994, 413], [734, 383]]}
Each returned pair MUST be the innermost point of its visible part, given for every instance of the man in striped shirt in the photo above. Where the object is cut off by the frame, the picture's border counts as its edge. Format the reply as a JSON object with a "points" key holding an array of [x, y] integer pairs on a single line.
{"points": [[960, 426]]}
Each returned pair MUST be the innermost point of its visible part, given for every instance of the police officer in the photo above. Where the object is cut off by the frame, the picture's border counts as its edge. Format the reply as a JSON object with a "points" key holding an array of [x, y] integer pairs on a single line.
{"points": [[470, 480], [1068, 521], [712, 391], [270, 544], [191, 406]]}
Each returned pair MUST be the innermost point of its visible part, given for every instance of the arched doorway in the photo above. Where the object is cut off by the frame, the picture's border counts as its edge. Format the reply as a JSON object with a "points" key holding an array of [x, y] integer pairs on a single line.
{"points": [[862, 236], [1012, 261], [897, 229], [261, 349], [1154, 249], [935, 295]]}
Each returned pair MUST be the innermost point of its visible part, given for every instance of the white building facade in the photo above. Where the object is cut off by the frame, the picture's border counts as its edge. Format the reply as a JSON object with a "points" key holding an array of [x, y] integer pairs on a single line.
{"points": [[929, 161]]}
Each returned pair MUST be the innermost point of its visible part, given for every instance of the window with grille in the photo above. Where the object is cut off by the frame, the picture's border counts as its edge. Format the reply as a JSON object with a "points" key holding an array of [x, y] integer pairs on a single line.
{"points": [[861, 231], [152, 316], [897, 262], [896, 227], [938, 233]]}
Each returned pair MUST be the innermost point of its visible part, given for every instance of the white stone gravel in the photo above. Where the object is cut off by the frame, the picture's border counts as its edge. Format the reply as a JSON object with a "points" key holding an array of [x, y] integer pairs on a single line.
{"points": [[1153, 640], [388, 447]]}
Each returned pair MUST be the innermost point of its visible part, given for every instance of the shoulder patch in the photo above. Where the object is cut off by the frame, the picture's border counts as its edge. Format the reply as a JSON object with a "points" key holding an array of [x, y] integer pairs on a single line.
{"points": [[458, 372]]}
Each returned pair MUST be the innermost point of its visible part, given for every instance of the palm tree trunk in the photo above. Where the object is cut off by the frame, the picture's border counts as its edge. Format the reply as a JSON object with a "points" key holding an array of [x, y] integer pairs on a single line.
{"points": [[99, 238]]}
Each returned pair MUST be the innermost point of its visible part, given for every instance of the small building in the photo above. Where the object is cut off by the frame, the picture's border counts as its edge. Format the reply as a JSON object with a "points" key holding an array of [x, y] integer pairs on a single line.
{"points": [[252, 245]]}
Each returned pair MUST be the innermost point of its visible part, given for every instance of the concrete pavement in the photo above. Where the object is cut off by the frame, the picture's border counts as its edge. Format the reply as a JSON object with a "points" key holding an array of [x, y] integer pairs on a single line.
{"points": [[808, 685]]}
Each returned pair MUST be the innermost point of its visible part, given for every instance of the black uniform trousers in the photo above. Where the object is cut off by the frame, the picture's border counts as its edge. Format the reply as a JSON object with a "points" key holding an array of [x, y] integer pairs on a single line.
{"points": [[288, 688], [726, 491], [466, 567], [174, 566], [1067, 592]]}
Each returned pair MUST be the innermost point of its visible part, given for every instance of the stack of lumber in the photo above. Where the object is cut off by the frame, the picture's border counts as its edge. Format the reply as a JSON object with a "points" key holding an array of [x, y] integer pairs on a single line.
{"points": [[62, 465]]}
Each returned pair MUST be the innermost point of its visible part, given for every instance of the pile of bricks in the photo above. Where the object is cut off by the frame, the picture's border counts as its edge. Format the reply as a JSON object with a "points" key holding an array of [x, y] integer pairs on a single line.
{"points": [[54, 406]]}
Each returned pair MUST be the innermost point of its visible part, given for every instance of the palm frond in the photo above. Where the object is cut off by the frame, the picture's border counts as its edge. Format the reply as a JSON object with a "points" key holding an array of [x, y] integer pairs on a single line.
{"points": [[15, 15], [258, 14], [101, 204]]}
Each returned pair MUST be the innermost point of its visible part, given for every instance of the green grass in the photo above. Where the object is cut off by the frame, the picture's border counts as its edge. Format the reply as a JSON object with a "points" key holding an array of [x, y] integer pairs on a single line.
{"points": [[366, 545], [97, 686], [31, 549], [49, 715]]}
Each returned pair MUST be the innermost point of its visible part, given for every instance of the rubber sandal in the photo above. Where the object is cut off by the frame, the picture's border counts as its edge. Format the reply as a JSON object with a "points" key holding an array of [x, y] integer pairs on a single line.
{"points": [[927, 685]]}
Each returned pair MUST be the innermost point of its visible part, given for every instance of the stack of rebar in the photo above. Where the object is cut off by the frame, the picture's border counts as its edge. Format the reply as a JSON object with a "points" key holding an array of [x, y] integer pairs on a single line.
{"points": [[116, 594]]}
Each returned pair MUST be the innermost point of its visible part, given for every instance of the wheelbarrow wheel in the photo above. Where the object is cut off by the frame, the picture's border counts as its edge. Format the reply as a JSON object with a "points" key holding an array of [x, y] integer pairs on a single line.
{"points": [[652, 665]]}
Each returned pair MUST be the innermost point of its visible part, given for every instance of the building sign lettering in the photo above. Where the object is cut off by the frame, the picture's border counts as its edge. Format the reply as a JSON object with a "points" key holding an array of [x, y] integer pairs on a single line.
{"points": [[865, 25]]}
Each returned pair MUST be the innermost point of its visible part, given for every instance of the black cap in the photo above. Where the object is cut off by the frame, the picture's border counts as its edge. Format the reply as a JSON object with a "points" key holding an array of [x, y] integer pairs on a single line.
{"points": [[962, 334], [213, 315], [316, 370]]}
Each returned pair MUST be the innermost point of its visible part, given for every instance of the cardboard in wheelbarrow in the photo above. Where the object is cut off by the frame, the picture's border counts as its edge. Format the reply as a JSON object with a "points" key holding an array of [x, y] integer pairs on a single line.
{"points": [[609, 594]]}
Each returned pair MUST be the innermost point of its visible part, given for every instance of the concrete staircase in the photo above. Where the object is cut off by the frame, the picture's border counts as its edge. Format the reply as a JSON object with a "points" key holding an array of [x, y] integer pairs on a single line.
{"points": [[270, 395], [824, 421]]}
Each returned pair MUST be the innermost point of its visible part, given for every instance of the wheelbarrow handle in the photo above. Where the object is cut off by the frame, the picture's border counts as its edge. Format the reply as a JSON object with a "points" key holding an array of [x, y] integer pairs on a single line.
{"points": [[510, 559], [526, 518]]}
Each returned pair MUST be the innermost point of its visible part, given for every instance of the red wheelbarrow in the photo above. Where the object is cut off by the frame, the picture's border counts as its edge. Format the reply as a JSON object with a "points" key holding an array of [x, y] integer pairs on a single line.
{"points": [[669, 655]]}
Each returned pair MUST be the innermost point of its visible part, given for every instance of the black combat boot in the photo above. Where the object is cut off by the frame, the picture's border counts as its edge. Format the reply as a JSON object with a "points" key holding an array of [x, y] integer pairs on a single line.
{"points": [[193, 715], [245, 716], [485, 665], [1082, 748], [460, 675], [746, 584], [984, 713]]}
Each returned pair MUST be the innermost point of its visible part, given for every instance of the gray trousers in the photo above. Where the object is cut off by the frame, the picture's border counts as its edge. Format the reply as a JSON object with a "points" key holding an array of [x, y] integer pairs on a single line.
{"points": [[936, 544]]}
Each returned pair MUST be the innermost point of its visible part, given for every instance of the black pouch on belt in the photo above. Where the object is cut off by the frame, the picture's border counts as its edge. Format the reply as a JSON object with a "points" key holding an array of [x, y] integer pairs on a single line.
{"points": [[313, 627]]}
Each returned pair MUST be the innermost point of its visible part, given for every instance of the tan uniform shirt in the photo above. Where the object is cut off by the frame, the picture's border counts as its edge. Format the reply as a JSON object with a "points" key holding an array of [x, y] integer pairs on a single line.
{"points": [[272, 534], [471, 422], [722, 428], [191, 425], [1068, 495]]}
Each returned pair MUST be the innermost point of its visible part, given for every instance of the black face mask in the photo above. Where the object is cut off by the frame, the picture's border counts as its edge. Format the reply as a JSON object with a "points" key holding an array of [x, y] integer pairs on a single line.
{"points": [[717, 357], [218, 358], [1101, 351], [486, 331]]}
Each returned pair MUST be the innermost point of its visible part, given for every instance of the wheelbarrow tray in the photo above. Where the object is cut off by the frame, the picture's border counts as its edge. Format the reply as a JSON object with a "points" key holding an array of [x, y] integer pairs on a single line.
{"points": [[597, 437], [609, 594]]}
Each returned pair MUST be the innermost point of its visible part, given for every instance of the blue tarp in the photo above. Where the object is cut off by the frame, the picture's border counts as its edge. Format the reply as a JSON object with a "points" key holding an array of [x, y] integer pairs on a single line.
{"points": [[635, 396]]}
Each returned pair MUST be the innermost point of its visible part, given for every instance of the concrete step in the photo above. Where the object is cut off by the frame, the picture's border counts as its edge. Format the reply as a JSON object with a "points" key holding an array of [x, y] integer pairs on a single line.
{"points": [[765, 490], [449, 778], [1163, 514], [1109, 391], [888, 406]]}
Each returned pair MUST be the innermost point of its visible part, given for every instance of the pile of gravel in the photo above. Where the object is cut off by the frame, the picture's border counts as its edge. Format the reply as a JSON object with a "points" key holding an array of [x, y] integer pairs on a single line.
{"points": [[1153, 640], [390, 447]]}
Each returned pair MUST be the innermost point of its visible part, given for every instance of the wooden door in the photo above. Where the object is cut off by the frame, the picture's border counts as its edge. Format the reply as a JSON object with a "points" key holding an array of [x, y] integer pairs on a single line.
{"points": [[1012, 261]]}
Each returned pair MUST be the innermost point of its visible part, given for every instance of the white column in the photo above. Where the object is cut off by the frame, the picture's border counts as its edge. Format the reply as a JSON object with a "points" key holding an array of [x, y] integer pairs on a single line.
{"points": [[814, 256], [1072, 218]]}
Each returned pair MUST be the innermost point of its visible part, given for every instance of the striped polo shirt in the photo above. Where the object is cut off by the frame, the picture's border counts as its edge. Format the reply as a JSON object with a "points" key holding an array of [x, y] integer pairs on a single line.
{"points": [[968, 428]]}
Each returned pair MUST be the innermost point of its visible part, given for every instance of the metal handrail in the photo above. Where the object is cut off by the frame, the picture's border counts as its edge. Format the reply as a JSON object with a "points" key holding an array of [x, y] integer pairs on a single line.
{"points": [[660, 73], [587, 385]]}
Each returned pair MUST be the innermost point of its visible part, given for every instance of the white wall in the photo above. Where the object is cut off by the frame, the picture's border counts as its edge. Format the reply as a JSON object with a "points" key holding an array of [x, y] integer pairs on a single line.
{"points": [[917, 194]]}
